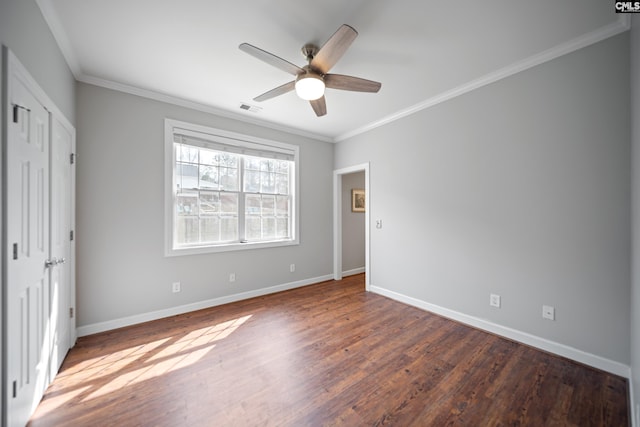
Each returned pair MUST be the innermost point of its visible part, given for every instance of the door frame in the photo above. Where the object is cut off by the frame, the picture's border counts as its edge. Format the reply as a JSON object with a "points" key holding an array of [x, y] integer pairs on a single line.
{"points": [[337, 221], [12, 65]]}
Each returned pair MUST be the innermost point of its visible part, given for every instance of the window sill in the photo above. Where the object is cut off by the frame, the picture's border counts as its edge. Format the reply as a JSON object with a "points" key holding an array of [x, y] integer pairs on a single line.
{"points": [[196, 250]]}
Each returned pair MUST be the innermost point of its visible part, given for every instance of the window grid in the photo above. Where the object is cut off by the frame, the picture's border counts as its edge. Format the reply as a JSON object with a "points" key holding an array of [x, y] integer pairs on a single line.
{"points": [[222, 198]]}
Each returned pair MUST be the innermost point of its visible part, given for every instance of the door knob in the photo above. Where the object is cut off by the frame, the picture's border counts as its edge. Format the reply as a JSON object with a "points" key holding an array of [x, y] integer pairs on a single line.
{"points": [[50, 262]]}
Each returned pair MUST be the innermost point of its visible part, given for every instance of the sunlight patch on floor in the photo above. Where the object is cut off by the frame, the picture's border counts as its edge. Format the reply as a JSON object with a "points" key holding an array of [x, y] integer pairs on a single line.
{"points": [[133, 365]]}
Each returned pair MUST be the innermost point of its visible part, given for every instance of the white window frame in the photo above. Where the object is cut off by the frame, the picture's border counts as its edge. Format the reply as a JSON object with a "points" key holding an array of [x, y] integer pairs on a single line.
{"points": [[219, 136]]}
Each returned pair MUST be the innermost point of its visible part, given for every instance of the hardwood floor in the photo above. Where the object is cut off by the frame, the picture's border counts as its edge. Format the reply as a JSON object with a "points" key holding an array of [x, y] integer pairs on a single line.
{"points": [[326, 354]]}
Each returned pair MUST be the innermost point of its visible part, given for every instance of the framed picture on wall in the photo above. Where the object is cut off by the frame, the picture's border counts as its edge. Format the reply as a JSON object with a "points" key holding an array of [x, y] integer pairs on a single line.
{"points": [[357, 200]]}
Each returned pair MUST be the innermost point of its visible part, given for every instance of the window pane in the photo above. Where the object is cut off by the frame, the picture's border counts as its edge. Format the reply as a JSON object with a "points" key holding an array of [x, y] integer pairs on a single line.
{"points": [[267, 165], [282, 228], [228, 179], [252, 163], [209, 203], [282, 184], [253, 228], [282, 167], [282, 206], [208, 157], [229, 229], [268, 205], [187, 230], [251, 181], [187, 203], [208, 177], [252, 204], [209, 229], [186, 176], [268, 182], [186, 153], [228, 160], [268, 228], [229, 204]]}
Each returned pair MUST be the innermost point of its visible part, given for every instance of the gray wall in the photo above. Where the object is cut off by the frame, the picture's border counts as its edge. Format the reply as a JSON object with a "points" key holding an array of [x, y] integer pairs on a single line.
{"points": [[353, 225], [519, 188], [25, 32], [635, 284], [120, 203]]}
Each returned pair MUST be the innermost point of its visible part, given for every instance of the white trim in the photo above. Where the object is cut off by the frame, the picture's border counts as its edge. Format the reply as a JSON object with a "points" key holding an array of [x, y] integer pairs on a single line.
{"points": [[623, 24], [174, 100], [337, 221], [593, 360], [170, 127], [635, 413], [353, 271], [95, 328]]}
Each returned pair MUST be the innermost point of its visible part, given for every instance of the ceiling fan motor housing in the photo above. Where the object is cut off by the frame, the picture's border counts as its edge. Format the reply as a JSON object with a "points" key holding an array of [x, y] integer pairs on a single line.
{"points": [[309, 51]]}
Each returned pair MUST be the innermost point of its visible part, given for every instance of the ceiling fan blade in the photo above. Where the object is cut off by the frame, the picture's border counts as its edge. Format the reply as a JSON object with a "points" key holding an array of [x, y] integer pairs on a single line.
{"points": [[319, 106], [356, 84], [280, 90], [334, 48], [271, 59]]}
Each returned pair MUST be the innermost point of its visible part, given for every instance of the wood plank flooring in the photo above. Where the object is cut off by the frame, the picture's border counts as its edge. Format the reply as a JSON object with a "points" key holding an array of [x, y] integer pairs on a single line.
{"points": [[323, 355]]}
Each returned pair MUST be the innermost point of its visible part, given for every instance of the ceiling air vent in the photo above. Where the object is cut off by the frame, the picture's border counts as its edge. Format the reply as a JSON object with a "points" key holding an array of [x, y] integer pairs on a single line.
{"points": [[251, 108]]}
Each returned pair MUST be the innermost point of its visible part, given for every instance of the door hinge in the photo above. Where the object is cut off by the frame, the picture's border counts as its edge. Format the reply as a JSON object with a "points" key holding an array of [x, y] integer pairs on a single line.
{"points": [[16, 108], [72, 158], [71, 312], [15, 251], [71, 235], [15, 389]]}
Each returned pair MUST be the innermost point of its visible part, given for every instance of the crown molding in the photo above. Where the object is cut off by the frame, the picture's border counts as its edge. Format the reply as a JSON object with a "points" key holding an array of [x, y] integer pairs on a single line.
{"points": [[622, 24], [181, 102]]}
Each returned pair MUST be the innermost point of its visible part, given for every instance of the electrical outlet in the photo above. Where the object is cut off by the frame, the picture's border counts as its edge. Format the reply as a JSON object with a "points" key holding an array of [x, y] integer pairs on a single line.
{"points": [[232, 277], [292, 268], [176, 287], [548, 312], [494, 300], [378, 223]]}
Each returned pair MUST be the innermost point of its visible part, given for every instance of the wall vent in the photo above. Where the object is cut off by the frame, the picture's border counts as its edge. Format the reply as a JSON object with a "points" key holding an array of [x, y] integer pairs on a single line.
{"points": [[251, 108]]}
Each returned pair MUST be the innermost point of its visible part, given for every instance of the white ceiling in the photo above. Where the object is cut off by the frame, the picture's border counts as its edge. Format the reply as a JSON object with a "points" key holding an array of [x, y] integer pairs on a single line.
{"points": [[422, 51]]}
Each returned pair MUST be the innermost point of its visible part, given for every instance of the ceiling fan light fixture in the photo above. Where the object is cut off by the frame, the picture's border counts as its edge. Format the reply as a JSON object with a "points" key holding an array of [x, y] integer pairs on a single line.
{"points": [[310, 86]]}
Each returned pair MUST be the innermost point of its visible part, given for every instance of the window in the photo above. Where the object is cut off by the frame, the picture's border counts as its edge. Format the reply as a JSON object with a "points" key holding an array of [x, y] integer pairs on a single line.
{"points": [[226, 191]]}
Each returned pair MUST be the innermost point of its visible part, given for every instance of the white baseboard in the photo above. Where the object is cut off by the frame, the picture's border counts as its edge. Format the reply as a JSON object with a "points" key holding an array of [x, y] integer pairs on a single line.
{"points": [[593, 360], [159, 314], [635, 408], [353, 272]]}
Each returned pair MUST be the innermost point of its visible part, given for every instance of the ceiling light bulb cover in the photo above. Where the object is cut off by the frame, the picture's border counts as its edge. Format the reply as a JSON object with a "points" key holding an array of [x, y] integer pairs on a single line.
{"points": [[310, 86]]}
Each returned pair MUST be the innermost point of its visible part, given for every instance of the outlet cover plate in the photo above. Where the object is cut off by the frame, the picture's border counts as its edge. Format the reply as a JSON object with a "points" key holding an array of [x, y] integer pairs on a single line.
{"points": [[176, 287], [548, 312], [494, 300]]}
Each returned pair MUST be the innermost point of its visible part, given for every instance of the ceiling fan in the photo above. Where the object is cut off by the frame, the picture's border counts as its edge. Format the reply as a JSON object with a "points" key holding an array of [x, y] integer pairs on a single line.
{"points": [[312, 79]]}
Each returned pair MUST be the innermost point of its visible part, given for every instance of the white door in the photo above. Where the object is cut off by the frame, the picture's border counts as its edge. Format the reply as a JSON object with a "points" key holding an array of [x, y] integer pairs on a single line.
{"points": [[27, 234], [61, 208]]}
